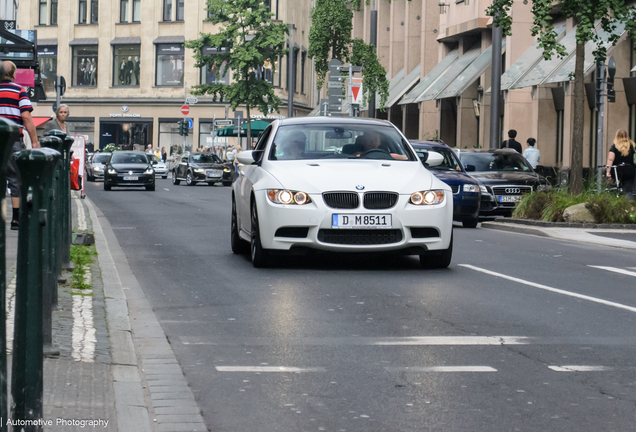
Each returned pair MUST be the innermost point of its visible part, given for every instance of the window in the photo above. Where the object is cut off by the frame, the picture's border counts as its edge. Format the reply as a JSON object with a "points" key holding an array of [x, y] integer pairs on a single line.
{"points": [[47, 58], [42, 20], [214, 74], [136, 15], [53, 12], [170, 139], [84, 66], [303, 58], [82, 11], [180, 9], [167, 10], [94, 11], [126, 65], [170, 58], [123, 11]]}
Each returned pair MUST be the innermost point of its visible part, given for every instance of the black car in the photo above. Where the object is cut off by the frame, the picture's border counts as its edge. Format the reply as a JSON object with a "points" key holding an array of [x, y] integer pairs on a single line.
{"points": [[504, 176], [129, 169], [466, 195], [201, 167]]}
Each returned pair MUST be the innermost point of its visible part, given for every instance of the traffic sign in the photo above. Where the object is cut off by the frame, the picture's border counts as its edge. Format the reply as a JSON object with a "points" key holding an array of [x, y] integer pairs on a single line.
{"points": [[191, 100], [185, 110], [190, 123], [223, 123]]}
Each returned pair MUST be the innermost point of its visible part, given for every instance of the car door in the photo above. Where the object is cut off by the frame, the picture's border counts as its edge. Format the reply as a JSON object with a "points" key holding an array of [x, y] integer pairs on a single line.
{"points": [[183, 166], [247, 176]]}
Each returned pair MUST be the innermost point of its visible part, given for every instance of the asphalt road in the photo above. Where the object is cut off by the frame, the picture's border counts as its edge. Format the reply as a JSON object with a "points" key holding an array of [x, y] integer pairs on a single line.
{"points": [[520, 333]]}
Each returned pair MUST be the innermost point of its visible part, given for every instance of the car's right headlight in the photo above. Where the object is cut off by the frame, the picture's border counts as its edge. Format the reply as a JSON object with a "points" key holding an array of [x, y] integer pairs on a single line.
{"points": [[284, 196], [112, 171], [429, 197], [199, 170], [470, 188], [97, 168]]}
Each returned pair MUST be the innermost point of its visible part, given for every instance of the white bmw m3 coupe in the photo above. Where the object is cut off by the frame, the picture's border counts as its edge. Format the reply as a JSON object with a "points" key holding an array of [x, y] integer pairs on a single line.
{"points": [[339, 185]]}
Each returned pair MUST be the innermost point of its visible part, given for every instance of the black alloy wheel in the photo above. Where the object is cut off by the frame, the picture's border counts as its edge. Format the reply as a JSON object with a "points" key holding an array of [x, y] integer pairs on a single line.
{"points": [[438, 259], [260, 256], [150, 188], [227, 183], [239, 246], [175, 180]]}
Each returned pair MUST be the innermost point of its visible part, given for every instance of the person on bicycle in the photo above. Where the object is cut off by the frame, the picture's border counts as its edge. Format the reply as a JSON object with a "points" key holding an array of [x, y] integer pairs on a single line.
{"points": [[622, 152]]}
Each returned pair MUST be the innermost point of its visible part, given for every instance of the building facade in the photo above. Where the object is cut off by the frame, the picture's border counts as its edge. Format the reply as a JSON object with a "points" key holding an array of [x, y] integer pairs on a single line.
{"points": [[438, 60], [127, 72]]}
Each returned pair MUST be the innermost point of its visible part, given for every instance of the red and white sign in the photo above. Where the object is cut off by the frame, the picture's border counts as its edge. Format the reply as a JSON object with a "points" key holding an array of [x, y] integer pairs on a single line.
{"points": [[356, 90], [79, 153], [185, 110]]}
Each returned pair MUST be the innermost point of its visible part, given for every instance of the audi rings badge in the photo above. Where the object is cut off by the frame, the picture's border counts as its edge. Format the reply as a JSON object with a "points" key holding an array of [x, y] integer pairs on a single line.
{"points": [[513, 191]]}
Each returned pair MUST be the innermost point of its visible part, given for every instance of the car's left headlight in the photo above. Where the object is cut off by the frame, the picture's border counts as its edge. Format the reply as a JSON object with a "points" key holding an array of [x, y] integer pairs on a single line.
{"points": [[149, 170], [429, 197], [471, 188], [227, 170], [97, 168], [112, 171], [284, 196], [199, 170]]}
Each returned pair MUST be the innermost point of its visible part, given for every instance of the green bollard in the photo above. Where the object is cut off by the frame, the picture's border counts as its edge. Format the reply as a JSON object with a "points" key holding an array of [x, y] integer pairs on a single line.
{"points": [[50, 244], [7, 131], [26, 380]]}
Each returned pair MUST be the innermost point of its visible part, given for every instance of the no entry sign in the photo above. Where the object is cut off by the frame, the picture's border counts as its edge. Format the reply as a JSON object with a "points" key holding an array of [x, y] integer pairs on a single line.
{"points": [[185, 110]]}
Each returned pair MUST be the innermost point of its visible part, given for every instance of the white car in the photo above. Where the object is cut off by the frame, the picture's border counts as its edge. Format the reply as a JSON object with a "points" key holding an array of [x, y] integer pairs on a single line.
{"points": [[340, 185], [161, 169]]}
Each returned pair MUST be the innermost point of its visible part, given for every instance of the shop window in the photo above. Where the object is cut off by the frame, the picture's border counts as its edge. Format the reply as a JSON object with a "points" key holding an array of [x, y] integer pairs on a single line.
{"points": [[169, 61], [170, 139], [83, 128], [53, 12], [42, 11], [47, 58], [126, 65], [303, 58], [167, 10], [84, 66], [83, 7], [136, 12], [180, 10], [207, 139], [123, 11], [94, 11], [214, 74]]}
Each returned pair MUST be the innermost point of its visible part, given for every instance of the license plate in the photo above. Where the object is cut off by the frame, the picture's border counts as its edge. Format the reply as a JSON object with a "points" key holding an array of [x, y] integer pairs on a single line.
{"points": [[131, 178], [214, 173], [361, 221], [509, 198]]}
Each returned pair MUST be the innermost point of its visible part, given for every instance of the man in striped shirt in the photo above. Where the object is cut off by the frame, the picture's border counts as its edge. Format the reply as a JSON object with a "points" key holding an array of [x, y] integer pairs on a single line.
{"points": [[16, 106]]}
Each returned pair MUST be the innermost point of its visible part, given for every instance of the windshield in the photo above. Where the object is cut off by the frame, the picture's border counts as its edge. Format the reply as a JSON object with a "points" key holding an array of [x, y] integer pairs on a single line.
{"points": [[155, 159], [450, 162], [340, 141], [495, 161], [205, 158], [128, 158], [101, 158]]}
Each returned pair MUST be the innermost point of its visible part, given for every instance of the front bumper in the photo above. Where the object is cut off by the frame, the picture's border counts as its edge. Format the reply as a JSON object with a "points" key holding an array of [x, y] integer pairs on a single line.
{"points": [[118, 180], [161, 172], [414, 228], [98, 174], [466, 206], [209, 176]]}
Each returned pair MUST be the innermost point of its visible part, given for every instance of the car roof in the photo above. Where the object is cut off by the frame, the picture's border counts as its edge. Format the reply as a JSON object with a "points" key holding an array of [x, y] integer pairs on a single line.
{"points": [[482, 150], [429, 143], [332, 120], [129, 152]]}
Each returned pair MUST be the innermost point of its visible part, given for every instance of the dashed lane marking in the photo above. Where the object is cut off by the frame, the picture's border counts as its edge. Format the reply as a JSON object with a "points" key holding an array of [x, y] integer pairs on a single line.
{"points": [[576, 368], [554, 290], [615, 270], [455, 340], [268, 369], [441, 369]]}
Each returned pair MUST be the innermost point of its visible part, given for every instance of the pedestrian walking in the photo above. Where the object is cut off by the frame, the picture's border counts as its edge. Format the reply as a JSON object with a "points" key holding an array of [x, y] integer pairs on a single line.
{"points": [[622, 152], [16, 106], [511, 142], [59, 122], [532, 155], [164, 155]]}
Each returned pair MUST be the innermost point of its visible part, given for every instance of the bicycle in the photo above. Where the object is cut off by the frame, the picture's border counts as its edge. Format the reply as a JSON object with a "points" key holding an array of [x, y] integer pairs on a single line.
{"points": [[615, 180]]}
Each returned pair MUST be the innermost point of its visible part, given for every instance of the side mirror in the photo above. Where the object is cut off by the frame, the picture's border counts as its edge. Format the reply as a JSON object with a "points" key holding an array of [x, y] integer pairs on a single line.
{"points": [[434, 159], [155, 162], [245, 157], [469, 168]]}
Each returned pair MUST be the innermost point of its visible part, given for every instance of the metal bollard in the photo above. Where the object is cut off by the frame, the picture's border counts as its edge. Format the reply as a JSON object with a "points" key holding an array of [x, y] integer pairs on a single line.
{"points": [[7, 131], [26, 380], [50, 245]]}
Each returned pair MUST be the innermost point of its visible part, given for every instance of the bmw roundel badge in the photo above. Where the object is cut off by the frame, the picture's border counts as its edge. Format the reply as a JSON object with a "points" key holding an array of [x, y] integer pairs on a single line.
{"points": [[360, 187]]}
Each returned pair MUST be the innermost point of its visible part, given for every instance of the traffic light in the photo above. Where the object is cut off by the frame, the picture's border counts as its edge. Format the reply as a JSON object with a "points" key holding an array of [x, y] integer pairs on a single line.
{"points": [[184, 129], [611, 71]]}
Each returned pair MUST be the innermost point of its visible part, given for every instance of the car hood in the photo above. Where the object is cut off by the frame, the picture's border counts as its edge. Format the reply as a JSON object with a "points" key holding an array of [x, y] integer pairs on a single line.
{"points": [[374, 175], [453, 177], [208, 166], [506, 177], [124, 167]]}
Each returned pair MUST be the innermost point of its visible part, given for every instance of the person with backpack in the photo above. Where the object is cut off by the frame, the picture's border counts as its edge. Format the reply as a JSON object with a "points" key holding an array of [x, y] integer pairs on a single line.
{"points": [[623, 152]]}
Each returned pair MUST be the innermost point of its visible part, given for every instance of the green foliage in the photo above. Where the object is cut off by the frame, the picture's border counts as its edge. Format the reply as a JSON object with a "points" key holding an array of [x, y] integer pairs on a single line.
{"points": [[609, 208], [81, 256], [330, 38], [111, 148], [249, 38]]}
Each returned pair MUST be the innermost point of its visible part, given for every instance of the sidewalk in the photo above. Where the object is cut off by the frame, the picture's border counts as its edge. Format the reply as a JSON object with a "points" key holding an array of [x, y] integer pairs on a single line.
{"points": [[110, 376]]}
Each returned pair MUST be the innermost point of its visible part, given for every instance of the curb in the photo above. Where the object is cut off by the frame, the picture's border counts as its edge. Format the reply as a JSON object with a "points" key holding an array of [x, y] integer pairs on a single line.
{"points": [[586, 225], [502, 226]]}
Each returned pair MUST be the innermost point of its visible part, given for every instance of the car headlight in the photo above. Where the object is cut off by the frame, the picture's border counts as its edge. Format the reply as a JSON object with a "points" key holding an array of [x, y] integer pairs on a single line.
{"points": [[429, 197], [199, 170], [226, 170], [97, 168], [112, 171], [284, 196], [483, 189], [149, 170], [470, 188]]}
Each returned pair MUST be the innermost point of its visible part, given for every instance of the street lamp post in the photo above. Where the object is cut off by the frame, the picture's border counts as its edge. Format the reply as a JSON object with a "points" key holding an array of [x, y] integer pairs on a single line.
{"points": [[290, 73], [373, 40], [495, 85]]}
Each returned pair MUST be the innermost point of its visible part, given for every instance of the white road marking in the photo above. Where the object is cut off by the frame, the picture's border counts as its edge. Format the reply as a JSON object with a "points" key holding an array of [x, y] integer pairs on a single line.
{"points": [[575, 368], [166, 189], [442, 369], [554, 290], [615, 270], [455, 340], [267, 369]]}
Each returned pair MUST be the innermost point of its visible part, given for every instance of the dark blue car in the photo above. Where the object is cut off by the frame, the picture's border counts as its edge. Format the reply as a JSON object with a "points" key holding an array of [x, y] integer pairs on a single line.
{"points": [[466, 193]]}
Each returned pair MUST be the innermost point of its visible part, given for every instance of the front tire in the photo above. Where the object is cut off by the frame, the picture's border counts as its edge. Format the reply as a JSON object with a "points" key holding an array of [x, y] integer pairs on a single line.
{"points": [[150, 188], [259, 255], [470, 223], [239, 246], [227, 183], [190, 180], [438, 259], [164, 177], [175, 181], [106, 187]]}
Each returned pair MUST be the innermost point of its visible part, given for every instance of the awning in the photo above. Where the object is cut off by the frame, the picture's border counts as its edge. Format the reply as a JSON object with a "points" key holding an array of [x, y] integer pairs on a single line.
{"points": [[40, 120], [403, 86], [526, 62], [634, 69], [84, 41], [257, 127], [470, 74], [126, 41], [564, 72], [169, 39], [449, 75], [440, 68]]}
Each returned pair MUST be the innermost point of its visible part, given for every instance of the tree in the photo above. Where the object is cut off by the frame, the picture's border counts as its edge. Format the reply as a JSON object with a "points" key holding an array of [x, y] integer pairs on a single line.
{"points": [[586, 13], [246, 40], [330, 38]]}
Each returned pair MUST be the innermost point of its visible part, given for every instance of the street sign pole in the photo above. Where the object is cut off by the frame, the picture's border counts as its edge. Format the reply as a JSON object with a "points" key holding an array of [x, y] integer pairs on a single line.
{"points": [[600, 103], [213, 132], [185, 117]]}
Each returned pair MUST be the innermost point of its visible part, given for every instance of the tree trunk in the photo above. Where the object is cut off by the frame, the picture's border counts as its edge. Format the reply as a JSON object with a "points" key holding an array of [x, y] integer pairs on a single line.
{"points": [[576, 166], [249, 129]]}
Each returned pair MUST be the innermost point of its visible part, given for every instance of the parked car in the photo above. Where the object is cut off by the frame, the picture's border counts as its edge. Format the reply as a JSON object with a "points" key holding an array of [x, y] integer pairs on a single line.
{"points": [[95, 166], [466, 194], [129, 169], [339, 185], [504, 176], [161, 169], [201, 167]]}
